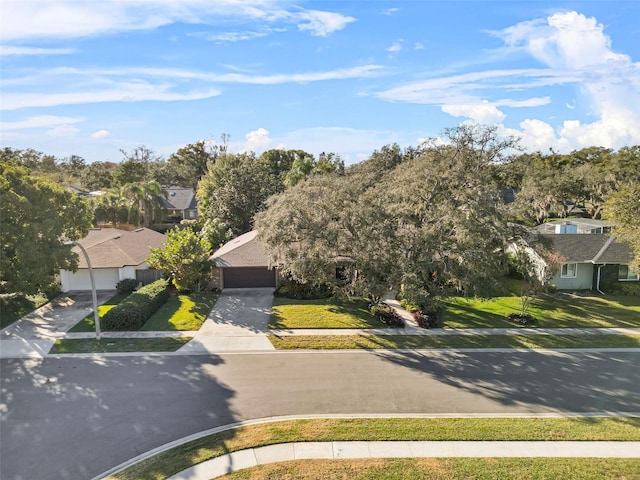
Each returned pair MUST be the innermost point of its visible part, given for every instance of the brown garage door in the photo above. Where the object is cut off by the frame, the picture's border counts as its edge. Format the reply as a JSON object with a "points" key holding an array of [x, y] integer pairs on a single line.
{"points": [[249, 277]]}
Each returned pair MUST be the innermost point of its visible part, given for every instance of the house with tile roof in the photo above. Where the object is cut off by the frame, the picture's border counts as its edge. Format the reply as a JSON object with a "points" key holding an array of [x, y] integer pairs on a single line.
{"points": [[242, 263], [114, 255]]}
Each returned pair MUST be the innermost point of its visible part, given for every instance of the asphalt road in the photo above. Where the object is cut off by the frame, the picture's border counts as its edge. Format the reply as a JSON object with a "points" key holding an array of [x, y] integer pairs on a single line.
{"points": [[75, 418]]}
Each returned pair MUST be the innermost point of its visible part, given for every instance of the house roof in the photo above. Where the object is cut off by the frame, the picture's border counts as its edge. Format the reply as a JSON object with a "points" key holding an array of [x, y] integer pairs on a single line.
{"points": [[596, 248], [243, 251], [115, 248], [582, 223], [179, 199]]}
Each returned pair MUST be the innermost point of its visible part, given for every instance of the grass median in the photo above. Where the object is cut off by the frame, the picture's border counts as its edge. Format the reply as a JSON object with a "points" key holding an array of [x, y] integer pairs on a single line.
{"points": [[370, 342], [114, 345], [179, 458]]}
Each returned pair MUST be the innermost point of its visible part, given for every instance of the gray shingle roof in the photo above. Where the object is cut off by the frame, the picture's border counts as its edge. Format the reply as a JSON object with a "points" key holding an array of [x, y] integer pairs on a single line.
{"points": [[590, 248], [243, 251], [115, 248], [179, 199]]}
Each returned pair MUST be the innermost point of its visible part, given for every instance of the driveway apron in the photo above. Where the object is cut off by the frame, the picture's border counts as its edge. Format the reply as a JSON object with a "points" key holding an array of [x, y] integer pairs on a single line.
{"points": [[238, 322], [34, 334]]}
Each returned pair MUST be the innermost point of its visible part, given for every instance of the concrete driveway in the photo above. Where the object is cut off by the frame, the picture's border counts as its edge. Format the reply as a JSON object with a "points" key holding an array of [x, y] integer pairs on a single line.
{"points": [[34, 334], [238, 322]]}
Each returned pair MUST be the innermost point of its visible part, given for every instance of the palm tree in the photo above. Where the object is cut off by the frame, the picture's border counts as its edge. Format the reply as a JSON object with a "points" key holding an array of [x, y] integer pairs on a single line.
{"points": [[145, 201], [110, 208]]}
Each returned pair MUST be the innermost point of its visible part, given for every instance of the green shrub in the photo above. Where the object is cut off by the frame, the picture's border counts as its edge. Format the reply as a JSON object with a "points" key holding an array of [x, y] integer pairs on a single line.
{"points": [[137, 308], [622, 288], [302, 291], [126, 285]]}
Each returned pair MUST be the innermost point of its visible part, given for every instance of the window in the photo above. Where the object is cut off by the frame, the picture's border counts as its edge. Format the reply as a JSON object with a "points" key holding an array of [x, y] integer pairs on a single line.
{"points": [[569, 270], [625, 274]]}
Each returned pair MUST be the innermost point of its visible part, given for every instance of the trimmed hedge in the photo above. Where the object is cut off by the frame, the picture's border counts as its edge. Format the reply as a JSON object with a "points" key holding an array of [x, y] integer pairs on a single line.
{"points": [[137, 308]]}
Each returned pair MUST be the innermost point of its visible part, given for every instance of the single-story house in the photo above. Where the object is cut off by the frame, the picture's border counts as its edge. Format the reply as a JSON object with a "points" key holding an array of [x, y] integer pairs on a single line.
{"points": [[115, 255], [242, 263], [180, 203], [588, 261]]}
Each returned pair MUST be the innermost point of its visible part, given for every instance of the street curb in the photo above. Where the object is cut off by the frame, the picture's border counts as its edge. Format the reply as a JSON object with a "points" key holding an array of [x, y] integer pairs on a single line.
{"points": [[231, 426]]}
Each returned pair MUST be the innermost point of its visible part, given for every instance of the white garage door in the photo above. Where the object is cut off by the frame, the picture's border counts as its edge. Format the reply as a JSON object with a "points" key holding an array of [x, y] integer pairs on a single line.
{"points": [[106, 279]]}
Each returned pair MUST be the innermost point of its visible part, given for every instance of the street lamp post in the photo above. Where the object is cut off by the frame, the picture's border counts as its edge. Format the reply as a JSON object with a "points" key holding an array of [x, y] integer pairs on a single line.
{"points": [[94, 294]]}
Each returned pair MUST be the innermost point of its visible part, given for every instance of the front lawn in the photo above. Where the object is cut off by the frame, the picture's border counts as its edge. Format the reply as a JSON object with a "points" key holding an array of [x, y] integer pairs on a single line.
{"points": [[445, 469], [180, 312], [323, 313], [403, 342], [184, 456], [559, 310]]}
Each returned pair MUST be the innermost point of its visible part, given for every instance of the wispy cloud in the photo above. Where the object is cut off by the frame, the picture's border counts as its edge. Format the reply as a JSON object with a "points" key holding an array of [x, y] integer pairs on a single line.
{"points": [[66, 86], [40, 121], [390, 11], [14, 50], [34, 19]]}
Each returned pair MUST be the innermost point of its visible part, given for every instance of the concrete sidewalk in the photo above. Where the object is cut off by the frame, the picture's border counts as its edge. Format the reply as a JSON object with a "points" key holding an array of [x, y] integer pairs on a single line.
{"points": [[253, 457]]}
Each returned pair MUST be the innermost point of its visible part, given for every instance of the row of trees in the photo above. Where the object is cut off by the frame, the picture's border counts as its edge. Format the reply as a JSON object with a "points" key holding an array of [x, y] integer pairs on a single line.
{"points": [[429, 217]]}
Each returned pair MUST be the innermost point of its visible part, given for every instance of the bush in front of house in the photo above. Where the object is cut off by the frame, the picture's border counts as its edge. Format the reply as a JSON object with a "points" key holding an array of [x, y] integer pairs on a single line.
{"points": [[387, 315], [126, 285], [302, 291], [137, 308], [429, 316]]}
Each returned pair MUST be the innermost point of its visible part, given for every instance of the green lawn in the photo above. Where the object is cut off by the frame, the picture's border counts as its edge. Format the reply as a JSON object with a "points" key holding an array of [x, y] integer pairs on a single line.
{"points": [[348, 342], [323, 313], [445, 469], [180, 312], [112, 345], [552, 311], [184, 456], [87, 324], [15, 306]]}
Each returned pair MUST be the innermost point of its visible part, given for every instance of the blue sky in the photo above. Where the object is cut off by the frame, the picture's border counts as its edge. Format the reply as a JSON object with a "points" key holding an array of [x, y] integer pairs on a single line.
{"points": [[91, 78]]}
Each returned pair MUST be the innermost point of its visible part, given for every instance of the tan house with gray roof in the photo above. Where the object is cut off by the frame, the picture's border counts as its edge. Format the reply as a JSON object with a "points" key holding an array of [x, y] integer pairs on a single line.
{"points": [[114, 254], [242, 263]]}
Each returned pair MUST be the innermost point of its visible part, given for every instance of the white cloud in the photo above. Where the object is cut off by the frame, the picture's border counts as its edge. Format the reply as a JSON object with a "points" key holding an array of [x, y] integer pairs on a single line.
{"points": [[123, 92], [321, 24], [485, 112], [40, 121], [390, 11], [575, 52], [67, 86], [63, 131], [257, 140], [100, 134], [395, 47], [418, 46], [30, 19], [15, 50]]}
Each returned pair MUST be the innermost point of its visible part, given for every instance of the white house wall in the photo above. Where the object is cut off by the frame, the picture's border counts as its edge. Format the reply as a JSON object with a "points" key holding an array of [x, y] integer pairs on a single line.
{"points": [[583, 280]]}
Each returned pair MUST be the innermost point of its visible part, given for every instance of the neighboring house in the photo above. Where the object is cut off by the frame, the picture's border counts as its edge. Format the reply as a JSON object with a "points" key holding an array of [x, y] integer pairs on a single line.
{"points": [[590, 257], [590, 261], [180, 202], [115, 255], [242, 263], [575, 225]]}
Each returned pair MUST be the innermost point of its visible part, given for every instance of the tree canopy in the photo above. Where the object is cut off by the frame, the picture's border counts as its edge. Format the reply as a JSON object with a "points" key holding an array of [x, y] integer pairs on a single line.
{"points": [[435, 223], [36, 217]]}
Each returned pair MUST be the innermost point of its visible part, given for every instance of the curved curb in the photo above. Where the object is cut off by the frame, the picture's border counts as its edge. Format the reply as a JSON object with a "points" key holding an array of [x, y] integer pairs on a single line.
{"points": [[284, 452], [231, 426]]}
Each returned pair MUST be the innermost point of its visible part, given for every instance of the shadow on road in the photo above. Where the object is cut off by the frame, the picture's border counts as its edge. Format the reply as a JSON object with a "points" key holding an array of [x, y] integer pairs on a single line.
{"points": [[571, 382], [74, 418]]}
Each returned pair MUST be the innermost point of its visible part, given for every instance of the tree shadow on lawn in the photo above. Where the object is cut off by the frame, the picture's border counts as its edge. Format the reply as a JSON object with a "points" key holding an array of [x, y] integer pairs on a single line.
{"points": [[106, 411], [540, 381], [562, 310]]}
